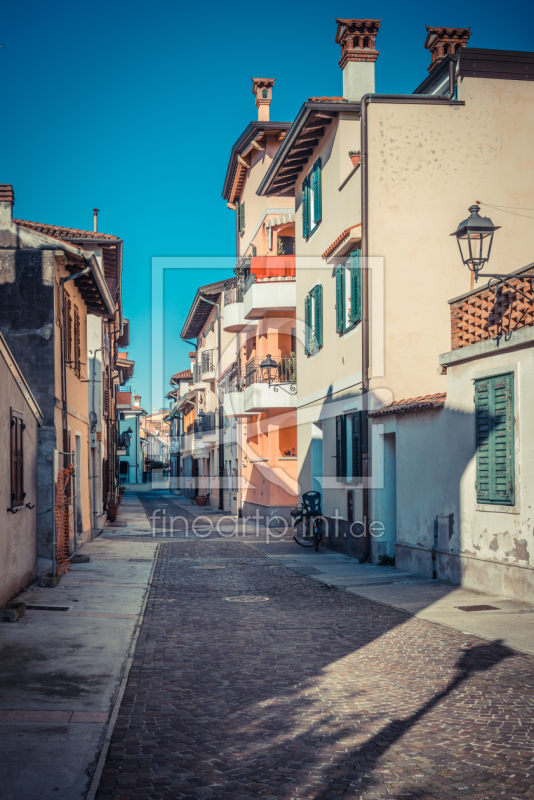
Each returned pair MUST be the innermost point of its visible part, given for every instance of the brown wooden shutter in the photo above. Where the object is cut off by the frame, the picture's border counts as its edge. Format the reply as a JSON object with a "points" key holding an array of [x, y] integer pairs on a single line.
{"points": [[77, 342], [68, 331], [105, 394], [17, 460]]}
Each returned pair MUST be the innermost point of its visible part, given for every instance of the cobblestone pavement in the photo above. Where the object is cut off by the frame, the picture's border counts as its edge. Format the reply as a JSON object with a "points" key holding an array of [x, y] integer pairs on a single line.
{"points": [[312, 693]]}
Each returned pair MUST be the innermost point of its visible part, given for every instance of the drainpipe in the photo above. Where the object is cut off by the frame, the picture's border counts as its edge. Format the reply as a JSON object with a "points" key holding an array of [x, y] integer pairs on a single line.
{"points": [[93, 449], [415, 99]]}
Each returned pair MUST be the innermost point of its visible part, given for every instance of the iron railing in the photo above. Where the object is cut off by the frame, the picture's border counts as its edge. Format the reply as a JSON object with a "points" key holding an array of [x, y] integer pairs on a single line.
{"points": [[196, 376], [233, 294], [205, 423], [285, 372], [208, 361]]}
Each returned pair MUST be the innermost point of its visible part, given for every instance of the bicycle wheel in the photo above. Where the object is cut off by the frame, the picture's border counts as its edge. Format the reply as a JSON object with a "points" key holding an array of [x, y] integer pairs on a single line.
{"points": [[317, 532], [302, 536]]}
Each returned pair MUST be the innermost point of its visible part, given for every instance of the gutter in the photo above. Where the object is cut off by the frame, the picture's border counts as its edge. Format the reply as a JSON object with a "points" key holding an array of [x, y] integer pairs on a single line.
{"points": [[393, 99]]}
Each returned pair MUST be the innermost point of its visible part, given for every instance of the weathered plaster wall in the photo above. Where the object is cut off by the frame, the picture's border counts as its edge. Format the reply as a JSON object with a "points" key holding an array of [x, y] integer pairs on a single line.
{"points": [[18, 532]]}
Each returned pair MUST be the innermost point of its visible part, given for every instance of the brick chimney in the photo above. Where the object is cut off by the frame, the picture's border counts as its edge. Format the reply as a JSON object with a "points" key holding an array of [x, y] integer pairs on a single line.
{"points": [[263, 89], [7, 201], [357, 38], [137, 400], [443, 42]]}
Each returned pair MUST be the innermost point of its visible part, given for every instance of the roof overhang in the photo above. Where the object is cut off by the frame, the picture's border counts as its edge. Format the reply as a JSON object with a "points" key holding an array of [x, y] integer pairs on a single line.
{"points": [[309, 127], [200, 309], [235, 174]]}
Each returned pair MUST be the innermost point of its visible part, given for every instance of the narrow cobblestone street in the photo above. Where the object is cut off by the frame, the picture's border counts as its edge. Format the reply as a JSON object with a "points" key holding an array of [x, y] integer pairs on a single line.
{"points": [[312, 692]]}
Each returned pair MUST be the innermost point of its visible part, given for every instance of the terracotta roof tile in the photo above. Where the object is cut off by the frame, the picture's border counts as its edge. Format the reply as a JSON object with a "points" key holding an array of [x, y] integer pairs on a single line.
{"points": [[422, 403], [326, 100], [329, 250], [186, 373], [59, 231]]}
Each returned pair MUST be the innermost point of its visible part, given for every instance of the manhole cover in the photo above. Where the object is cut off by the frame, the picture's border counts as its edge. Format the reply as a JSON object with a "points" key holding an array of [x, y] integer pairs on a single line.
{"points": [[247, 598], [478, 608], [208, 566]]}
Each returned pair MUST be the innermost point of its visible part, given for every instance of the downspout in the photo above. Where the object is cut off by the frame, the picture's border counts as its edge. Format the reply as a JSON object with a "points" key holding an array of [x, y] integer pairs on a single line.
{"points": [[417, 99], [93, 449]]}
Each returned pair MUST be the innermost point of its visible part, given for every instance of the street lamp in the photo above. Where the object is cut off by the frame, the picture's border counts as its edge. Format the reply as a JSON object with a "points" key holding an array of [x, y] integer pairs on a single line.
{"points": [[475, 237], [267, 366]]}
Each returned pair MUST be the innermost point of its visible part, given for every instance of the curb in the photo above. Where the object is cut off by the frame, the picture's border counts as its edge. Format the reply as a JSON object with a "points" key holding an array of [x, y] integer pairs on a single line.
{"points": [[95, 781]]}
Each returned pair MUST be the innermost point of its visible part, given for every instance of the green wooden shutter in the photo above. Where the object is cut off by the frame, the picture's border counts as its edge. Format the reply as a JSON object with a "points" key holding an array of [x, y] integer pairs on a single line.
{"points": [[307, 323], [340, 299], [241, 217], [341, 447], [503, 440], [318, 321], [17, 460], [305, 212], [317, 204], [355, 287], [494, 425], [357, 445]]}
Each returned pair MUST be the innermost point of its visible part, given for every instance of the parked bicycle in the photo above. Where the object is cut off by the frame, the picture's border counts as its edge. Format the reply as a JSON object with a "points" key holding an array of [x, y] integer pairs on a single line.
{"points": [[307, 519]]}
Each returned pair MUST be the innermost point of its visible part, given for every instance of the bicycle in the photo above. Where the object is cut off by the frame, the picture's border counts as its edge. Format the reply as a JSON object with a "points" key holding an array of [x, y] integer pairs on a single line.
{"points": [[309, 517]]}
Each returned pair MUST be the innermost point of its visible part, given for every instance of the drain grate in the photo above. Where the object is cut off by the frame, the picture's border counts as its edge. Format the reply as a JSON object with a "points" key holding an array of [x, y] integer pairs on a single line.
{"points": [[478, 608], [247, 598], [47, 608]]}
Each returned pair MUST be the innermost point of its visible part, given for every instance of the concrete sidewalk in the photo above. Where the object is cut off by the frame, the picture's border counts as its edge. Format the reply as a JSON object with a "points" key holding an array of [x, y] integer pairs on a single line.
{"points": [[508, 621], [64, 667]]}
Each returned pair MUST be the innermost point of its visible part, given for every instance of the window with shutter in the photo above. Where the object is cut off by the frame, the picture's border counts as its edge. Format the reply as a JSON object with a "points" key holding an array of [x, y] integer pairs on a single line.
{"points": [[17, 460], [318, 315], [357, 445], [317, 202], [341, 447], [305, 215], [340, 299], [494, 422], [77, 342], [68, 331], [105, 394], [240, 217], [355, 287], [307, 323]]}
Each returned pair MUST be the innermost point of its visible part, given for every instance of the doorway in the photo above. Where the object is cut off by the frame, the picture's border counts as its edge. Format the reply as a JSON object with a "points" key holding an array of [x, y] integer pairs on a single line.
{"points": [[388, 499], [317, 456]]}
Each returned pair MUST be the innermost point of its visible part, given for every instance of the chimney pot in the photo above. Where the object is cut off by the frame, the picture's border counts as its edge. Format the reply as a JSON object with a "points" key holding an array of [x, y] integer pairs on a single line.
{"points": [[7, 201], [262, 88], [95, 219], [357, 38], [443, 42]]}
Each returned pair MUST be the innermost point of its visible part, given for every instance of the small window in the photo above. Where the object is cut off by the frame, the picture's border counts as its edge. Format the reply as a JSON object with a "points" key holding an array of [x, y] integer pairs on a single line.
{"points": [[313, 320], [264, 93], [17, 459], [312, 200], [494, 421]]}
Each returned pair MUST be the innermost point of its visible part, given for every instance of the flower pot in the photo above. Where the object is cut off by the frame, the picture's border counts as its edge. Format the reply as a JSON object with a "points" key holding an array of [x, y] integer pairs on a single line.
{"points": [[355, 159], [112, 512], [201, 501]]}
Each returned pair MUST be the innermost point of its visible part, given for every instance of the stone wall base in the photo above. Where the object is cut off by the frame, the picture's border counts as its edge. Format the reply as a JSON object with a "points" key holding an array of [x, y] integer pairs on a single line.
{"points": [[508, 580], [266, 512]]}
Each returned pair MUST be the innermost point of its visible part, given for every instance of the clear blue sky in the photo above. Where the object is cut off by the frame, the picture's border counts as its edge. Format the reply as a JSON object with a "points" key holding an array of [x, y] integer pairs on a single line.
{"points": [[133, 108]]}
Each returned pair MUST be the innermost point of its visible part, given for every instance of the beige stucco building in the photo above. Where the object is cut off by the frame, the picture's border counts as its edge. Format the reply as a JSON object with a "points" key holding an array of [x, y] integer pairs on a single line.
{"points": [[463, 135]]}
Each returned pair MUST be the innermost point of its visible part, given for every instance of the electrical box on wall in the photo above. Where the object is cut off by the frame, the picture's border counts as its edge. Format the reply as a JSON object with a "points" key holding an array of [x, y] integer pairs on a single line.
{"points": [[93, 439]]}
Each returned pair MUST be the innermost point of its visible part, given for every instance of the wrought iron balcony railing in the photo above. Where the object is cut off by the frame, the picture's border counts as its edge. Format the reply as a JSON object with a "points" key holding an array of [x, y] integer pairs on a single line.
{"points": [[285, 371], [208, 361]]}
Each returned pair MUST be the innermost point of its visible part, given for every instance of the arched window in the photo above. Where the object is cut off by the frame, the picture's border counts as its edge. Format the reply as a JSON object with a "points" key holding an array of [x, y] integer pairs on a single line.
{"points": [[264, 93]]}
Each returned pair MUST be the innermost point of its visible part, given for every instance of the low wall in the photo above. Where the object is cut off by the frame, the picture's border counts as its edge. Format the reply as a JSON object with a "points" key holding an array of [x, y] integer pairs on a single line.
{"points": [[249, 510], [483, 575]]}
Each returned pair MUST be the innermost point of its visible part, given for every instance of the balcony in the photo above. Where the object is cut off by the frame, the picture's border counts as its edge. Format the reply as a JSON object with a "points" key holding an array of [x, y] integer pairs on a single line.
{"points": [[233, 388], [277, 390], [233, 314], [270, 286], [208, 365], [123, 399], [206, 427]]}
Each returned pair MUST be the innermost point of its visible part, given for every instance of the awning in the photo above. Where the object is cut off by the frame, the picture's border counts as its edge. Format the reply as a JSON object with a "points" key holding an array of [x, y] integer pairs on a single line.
{"points": [[273, 266]]}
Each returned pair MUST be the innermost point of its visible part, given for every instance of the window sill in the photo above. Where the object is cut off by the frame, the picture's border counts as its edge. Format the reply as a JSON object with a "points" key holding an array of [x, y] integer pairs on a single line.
{"points": [[288, 458], [498, 508]]}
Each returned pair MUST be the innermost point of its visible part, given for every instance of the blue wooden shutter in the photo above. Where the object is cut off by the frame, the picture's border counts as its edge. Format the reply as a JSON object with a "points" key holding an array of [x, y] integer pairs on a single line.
{"points": [[317, 204], [494, 425], [307, 323], [318, 321], [340, 299], [305, 211], [357, 445], [355, 287]]}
